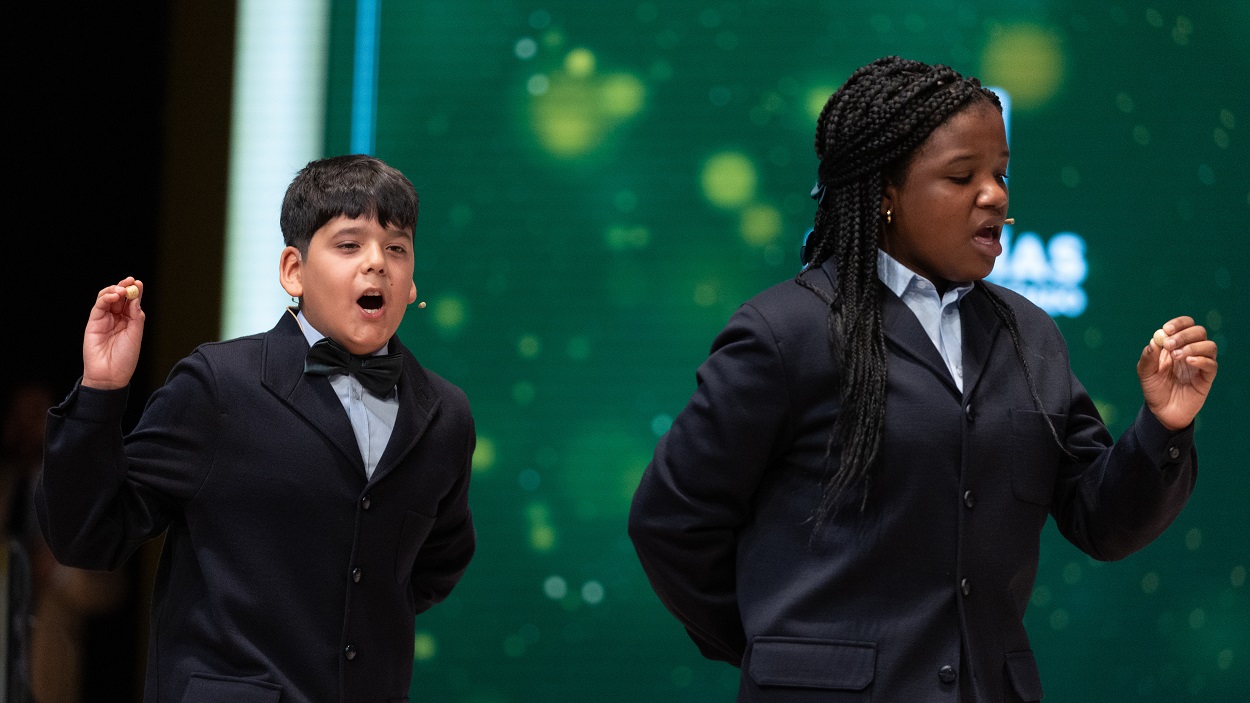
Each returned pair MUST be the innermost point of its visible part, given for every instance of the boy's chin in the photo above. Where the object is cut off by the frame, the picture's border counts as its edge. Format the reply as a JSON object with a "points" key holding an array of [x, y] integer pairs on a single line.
{"points": [[369, 343]]}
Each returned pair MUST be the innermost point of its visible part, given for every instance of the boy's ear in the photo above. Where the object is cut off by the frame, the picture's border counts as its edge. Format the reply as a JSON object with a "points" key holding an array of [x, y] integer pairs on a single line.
{"points": [[412, 292], [291, 272]]}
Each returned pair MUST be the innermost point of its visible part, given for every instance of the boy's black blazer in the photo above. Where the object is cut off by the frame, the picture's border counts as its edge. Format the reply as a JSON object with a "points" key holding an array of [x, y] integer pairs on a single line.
{"points": [[285, 575], [920, 596]]}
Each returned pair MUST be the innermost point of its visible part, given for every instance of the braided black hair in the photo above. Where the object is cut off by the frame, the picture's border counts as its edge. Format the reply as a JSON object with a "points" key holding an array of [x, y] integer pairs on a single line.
{"points": [[866, 135]]}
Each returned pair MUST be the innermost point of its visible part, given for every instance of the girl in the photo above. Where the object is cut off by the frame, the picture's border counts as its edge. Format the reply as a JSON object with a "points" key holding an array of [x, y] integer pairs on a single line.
{"points": [[849, 508]]}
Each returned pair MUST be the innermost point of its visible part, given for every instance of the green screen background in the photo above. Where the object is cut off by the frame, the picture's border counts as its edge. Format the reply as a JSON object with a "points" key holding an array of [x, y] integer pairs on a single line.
{"points": [[602, 184]]}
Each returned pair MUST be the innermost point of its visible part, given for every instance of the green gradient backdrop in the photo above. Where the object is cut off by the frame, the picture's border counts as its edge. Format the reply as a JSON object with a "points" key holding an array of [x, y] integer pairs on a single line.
{"points": [[602, 184]]}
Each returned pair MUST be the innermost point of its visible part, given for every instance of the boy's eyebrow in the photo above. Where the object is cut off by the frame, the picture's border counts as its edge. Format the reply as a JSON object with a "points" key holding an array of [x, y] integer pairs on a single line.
{"points": [[357, 229]]}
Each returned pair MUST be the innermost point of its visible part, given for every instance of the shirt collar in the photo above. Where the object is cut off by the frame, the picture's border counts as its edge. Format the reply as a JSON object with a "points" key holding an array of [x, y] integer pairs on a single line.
{"points": [[899, 278]]}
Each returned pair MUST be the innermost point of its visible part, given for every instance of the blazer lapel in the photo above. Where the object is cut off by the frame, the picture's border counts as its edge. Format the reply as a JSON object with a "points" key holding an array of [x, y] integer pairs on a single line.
{"points": [[904, 331], [312, 398], [908, 335], [980, 328], [418, 404]]}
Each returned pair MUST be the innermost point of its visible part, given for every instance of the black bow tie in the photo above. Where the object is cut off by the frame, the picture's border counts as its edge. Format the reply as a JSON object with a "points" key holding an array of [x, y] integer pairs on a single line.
{"points": [[378, 374]]}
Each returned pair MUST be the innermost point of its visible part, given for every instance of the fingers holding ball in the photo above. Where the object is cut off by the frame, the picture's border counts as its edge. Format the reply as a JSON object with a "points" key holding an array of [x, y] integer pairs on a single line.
{"points": [[1159, 338]]}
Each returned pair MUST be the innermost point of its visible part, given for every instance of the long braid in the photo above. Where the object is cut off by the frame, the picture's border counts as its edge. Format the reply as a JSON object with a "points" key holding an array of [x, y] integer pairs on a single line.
{"points": [[866, 133], [1008, 318]]}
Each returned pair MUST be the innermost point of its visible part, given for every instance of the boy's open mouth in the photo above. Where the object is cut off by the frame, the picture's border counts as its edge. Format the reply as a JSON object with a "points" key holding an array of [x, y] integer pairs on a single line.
{"points": [[369, 302]]}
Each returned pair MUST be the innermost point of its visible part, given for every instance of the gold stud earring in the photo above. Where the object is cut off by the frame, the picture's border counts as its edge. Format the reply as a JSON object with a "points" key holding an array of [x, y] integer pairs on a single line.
{"points": [[889, 216]]}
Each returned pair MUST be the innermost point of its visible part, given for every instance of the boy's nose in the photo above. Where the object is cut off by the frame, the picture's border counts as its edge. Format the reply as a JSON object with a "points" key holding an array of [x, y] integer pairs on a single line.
{"points": [[374, 259]]}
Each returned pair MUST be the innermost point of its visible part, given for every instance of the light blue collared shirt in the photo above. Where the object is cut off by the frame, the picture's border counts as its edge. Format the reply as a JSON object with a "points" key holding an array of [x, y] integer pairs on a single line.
{"points": [[938, 315], [372, 418]]}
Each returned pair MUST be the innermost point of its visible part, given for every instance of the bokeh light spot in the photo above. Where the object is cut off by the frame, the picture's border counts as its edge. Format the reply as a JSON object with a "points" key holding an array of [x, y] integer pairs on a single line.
{"points": [[1059, 620], [816, 99], [1027, 61], [1041, 596], [542, 538], [529, 346], [538, 84], [529, 479], [1150, 583], [1193, 539], [1072, 573], [565, 117], [1107, 410], [1224, 660], [555, 587], [625, 238], [450, 312], [484, 454], [660, 424], [579, 62], [593, 592], [760, 225], [1182, 30], [424, 647], [525, 48], [621, 95], [728, 179], [706, 294], [1238, 576], [1197, 618], [1215, 320], [542, 534]]}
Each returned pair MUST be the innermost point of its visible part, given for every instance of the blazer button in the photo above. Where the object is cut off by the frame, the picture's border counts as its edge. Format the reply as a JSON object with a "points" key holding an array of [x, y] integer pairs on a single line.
{"points": [[970, 412], [965, 587], [365, 502], [356, 573], [1173, 453], [350, 652], [969, 500], [946, 675]]}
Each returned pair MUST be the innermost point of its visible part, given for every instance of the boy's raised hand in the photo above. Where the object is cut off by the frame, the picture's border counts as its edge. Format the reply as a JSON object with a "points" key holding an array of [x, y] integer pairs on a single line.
{"points": [[110, 346]]}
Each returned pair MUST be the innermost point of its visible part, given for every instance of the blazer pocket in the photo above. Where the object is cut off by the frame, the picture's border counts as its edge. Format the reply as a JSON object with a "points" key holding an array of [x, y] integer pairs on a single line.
{"points": [[1037, 455], [411, 536], [207, 688], [1025, 679], [834, 665]]}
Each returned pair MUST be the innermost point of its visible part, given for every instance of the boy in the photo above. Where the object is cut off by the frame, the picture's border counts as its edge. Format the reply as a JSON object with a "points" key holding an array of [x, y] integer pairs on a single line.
{"points": [[314, 501]]}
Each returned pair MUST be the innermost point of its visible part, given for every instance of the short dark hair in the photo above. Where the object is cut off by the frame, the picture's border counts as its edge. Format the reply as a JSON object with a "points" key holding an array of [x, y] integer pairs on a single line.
{"points": [[355, 185]]}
